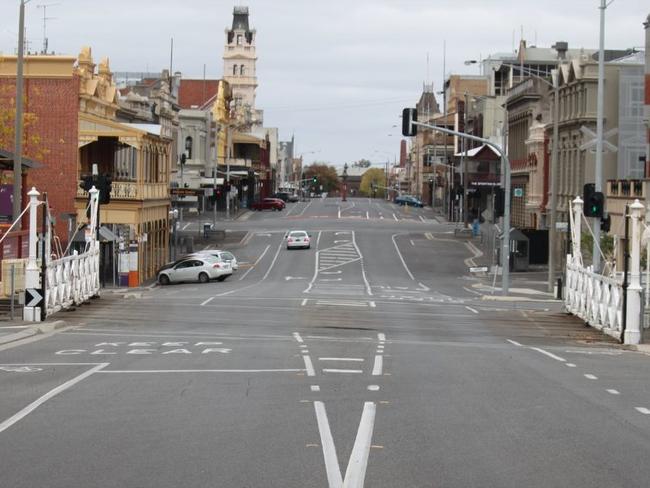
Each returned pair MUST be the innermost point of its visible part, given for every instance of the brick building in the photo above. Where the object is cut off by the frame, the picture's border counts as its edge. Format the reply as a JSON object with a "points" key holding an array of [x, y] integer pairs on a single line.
{"points": [[51, 100]]}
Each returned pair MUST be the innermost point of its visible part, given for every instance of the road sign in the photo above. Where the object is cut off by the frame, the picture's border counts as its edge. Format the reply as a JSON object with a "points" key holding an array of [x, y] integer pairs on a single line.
{"points": [[186, 192], [478, 269], [562, 226], [33, 297], [519, 192], [591, 144]]}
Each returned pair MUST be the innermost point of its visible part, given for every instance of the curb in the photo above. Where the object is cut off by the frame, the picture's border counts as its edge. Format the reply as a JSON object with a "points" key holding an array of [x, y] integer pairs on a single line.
{"points": [[44, 328], [495, 298]]}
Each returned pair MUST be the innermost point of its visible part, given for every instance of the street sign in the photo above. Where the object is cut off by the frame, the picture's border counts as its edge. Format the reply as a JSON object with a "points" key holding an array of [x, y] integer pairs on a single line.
{"points": [[186, 192], [562, 226], [519, 192], [33, 297], [478, 269], [591, 144]]}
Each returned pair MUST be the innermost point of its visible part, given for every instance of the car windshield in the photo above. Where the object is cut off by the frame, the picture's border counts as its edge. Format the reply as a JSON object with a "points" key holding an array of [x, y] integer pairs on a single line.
{"points": [[333, 244]]}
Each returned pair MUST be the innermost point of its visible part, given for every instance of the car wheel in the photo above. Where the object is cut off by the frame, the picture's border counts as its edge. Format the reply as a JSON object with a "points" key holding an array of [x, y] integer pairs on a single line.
{"points": [[204, 278], [308, 247], [163, 279]]}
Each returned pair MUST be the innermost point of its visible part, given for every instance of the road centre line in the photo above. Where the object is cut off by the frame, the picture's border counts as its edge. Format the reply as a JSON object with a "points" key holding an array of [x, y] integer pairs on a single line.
{"points": [[255, 263], [309, 366], [356, 472], [363, 268], [378, 366], [549, 354], [318, 239], [408, 271], [50, 394], [332, 468], [471, 309]]}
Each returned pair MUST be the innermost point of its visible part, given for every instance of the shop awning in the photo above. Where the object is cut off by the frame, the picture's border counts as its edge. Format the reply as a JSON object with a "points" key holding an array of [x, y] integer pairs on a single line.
{"points": [[240, 138]]}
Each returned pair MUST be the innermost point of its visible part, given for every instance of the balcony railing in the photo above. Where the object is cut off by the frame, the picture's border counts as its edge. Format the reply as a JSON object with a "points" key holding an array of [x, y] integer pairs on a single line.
{"points": [[626, 188], [130, 190]]}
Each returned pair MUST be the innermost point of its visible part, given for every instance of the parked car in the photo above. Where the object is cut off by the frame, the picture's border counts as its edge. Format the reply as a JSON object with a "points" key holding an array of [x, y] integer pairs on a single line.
{"points": [[298, 239], [222, 256], [195, 268], [268, 204], [282, 195], [293, 198], [409, 200]]}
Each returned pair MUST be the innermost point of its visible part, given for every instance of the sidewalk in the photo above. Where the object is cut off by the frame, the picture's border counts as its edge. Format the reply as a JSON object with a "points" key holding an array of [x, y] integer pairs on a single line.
{"points": [[524, 285], [16, 330]]}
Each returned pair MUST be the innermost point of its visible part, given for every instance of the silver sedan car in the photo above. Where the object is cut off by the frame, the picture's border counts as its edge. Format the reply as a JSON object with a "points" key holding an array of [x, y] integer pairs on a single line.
{"points": [[298, 239], [195, 268]]}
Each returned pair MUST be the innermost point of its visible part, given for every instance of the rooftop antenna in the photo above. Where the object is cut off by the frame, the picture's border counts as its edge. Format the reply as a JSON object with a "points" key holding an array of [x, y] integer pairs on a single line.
{"points": [[427, 67], [45, 19]]}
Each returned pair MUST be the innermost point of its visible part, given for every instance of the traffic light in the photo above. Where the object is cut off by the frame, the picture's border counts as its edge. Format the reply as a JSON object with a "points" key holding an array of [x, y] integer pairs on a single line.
{"points": [[314, 180], [409, 115], [86, 183], [594, 201], [106, 182], [606, 223]]}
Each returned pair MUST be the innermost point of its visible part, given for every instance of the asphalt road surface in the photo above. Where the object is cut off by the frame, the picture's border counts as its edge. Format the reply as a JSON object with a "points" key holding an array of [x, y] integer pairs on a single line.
{"points": [[367, 360]]}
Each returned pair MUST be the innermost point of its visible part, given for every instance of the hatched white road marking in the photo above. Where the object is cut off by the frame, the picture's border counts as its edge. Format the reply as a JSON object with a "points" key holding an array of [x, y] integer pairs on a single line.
{"points": [[613, 392], [643, 410], [590, 376], [378, 366], [309, 366]]}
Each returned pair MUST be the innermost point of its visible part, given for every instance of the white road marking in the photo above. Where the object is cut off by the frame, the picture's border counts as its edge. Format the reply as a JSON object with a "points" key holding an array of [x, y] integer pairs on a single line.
{"points": [[422, 219], [339, 212], [358, 463], [343, 371], [570, 365], [363, 267], [514, 342], [367, 215], [304, 302], [590, 376], [613, 392], [314, 388], [372, 304], [408, 271], [412, 243], [169, 371], [395, 217], [549, 354], [342, 232], [255, 263], [341, 303], [331, 272], [309, 366], [50, 394], [330, 279], [381, 336], [318, 239], [471, 309], [357, 360], [378, 366], [643, 410], [329, 450], [277, 253], [186, 225], [303, 210], [297, 337], [373, 387]]}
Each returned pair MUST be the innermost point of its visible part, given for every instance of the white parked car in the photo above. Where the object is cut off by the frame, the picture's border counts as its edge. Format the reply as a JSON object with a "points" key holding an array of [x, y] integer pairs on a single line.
{"points": [[224, 256], [298, 239], [195, 268]]}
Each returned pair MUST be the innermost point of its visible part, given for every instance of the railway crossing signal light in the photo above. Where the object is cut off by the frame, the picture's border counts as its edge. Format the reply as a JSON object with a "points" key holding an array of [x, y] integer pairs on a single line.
{"points": [[594, 201]]}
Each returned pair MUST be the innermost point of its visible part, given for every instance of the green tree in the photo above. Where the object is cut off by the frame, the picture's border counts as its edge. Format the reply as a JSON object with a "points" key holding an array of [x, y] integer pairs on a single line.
{"points": [[325, 175], [376, 177]]}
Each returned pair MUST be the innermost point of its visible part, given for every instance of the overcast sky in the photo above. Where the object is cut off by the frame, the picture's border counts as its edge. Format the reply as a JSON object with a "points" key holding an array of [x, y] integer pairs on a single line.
{"points": [[334, 73]]}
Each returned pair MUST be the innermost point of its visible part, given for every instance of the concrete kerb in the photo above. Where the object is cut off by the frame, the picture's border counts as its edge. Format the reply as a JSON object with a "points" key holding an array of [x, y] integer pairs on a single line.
{"points": [[36, 329]]}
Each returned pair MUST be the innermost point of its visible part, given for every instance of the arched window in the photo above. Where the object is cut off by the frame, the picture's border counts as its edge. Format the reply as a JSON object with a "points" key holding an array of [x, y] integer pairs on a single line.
{"points": [[242, 70], [234, 70]]}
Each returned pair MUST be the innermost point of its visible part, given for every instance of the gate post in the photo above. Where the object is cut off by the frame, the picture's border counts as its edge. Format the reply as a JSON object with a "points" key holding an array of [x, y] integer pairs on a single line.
{"points": [[32, 272], [633, 327], [577, 230]]}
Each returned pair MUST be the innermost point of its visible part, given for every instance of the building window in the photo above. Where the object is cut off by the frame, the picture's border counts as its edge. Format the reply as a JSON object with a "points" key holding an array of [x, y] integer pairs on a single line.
{"points": [[239, 39], [242, 70], [188, 147], [234, 70]]}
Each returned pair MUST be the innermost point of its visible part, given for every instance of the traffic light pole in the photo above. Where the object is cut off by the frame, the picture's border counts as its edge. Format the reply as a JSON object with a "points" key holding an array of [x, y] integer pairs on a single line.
{"points": [[505, 162]]}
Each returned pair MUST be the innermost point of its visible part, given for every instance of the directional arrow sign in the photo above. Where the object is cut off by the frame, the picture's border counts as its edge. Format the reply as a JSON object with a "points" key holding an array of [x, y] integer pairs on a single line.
{"points": [[33, 297]]}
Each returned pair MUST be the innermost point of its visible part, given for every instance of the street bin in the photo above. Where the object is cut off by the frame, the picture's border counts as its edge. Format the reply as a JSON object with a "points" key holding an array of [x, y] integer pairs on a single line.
{"points": [[519, 251], [207, 226]]}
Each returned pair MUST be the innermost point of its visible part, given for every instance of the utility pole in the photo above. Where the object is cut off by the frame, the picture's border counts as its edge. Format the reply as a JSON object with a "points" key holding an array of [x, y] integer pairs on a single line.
{"points": [[552, 245], [18, 127], [464, 161], [599, 130]]}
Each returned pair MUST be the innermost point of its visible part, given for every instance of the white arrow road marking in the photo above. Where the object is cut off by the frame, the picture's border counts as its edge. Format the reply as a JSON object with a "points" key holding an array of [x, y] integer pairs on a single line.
{"points": [[356, 471]]}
